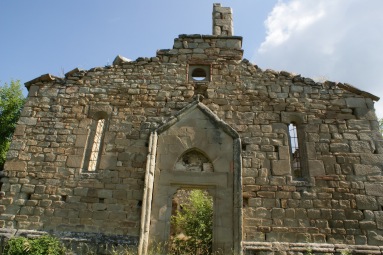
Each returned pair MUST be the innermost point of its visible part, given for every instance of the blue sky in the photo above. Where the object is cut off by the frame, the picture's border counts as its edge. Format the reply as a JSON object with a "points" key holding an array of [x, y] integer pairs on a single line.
{"points": [[338, 40]]}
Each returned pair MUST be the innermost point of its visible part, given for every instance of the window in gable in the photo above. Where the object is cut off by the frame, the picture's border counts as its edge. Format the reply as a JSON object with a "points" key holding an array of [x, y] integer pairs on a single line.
{"points": [[199, 73]]}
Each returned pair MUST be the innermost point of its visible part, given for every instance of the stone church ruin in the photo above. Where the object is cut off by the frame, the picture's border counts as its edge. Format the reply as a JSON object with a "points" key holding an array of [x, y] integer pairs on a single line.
{"points": [[291, 164]]}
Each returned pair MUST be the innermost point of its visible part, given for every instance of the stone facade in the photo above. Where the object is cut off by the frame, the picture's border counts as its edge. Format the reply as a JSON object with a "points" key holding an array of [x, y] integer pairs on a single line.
{"points": [[199, 97]]}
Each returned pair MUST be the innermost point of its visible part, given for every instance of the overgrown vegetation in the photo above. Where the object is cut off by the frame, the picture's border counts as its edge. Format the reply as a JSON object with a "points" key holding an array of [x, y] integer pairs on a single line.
{"points": [[193, 225], [11, 102], [381, 125], [44, 245]]}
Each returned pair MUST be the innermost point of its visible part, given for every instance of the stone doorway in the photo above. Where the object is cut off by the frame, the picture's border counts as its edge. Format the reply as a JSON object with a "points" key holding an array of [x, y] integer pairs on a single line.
{"points": [[194, 150]]}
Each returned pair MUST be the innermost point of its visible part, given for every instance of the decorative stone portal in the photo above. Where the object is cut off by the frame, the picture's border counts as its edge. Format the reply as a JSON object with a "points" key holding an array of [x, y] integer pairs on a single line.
{"points": [[195, 150]]}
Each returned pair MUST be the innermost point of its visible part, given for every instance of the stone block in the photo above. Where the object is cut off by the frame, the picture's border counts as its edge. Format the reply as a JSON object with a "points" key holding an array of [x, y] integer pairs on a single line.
{"points": [[367, 225], [19, 130], [234, 44], [108, 161], [15, 166], [64, 191], [74, 161], [268, 202], [278, 213], [28, 121], [316, 168], [281, 167], [375, 237], [372, 159], [364, 113], [356, 102], [101, 215], [339, 147], [367, 170], [379, 219], [284, 152], [81, 140], [255, 202], [28, 188], [262, 213], [359, 124], [361, 147], [374, 189], [366, 202], [103, 193]]}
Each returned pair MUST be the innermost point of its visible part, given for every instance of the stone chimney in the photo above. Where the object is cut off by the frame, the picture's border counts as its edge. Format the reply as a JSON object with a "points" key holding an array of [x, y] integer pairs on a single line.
{"points": [[222, 20]]}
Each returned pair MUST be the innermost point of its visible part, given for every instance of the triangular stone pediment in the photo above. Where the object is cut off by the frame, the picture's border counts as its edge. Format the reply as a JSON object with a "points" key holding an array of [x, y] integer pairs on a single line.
{"points": [[202, 109]]}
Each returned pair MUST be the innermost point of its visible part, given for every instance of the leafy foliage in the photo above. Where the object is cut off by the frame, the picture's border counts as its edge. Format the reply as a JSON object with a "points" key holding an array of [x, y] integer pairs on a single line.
{"points": [[193, 224], [381, 125], [11, 102], [44, 245]]}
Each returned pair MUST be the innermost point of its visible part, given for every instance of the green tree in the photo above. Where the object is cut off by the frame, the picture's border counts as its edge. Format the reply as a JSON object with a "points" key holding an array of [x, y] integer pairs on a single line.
{"points": [[11, 102], [381, 125], [194, 225]]}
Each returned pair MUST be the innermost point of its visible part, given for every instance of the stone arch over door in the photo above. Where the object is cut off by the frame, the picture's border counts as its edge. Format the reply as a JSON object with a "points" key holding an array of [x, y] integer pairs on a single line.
{"points": [[196, 129]]}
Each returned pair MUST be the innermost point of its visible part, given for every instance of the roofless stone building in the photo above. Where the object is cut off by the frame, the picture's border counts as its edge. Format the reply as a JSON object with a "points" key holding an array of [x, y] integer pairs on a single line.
{"points": [[292, 164]]}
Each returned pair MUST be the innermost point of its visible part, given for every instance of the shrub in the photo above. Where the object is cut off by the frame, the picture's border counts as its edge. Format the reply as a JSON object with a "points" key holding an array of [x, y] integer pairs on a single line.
{"points": [[44, 245], [193, 225]]}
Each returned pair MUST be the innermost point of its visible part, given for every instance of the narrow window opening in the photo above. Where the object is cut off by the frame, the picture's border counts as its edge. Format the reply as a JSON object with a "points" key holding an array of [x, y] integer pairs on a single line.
{"points": [[294, 150], [101, 200], [64, 198], [96, 145], [29, 196]]}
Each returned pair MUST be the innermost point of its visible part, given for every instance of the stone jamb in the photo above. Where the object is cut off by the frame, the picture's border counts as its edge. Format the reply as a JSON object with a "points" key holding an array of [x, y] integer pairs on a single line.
{"points": [[148, 195]]}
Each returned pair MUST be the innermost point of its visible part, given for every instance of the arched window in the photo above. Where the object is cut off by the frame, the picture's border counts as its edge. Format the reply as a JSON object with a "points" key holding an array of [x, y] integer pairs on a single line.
{"points": [[94, 144]]}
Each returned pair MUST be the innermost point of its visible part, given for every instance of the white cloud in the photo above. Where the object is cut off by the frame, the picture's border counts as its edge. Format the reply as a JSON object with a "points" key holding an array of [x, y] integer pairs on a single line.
{"points": [[341, 40]]}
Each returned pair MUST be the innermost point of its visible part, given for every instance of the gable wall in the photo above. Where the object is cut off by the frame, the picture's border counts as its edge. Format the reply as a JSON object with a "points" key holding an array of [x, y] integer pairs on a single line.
{"points": [[46, 188]]}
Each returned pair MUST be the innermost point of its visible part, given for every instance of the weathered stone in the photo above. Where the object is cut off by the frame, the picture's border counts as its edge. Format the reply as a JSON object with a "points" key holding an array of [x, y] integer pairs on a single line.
{"points": [[374, 189], [359, 124], [15, 166], [366, 202], [360, 146], [281, 167], [339, 147], [361, 169], [74, 161], [316, 168], [120, 60]]}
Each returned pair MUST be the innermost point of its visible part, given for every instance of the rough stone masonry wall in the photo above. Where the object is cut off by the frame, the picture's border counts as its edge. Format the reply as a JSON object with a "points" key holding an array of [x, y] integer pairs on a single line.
{"points": [[339, 202]]}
